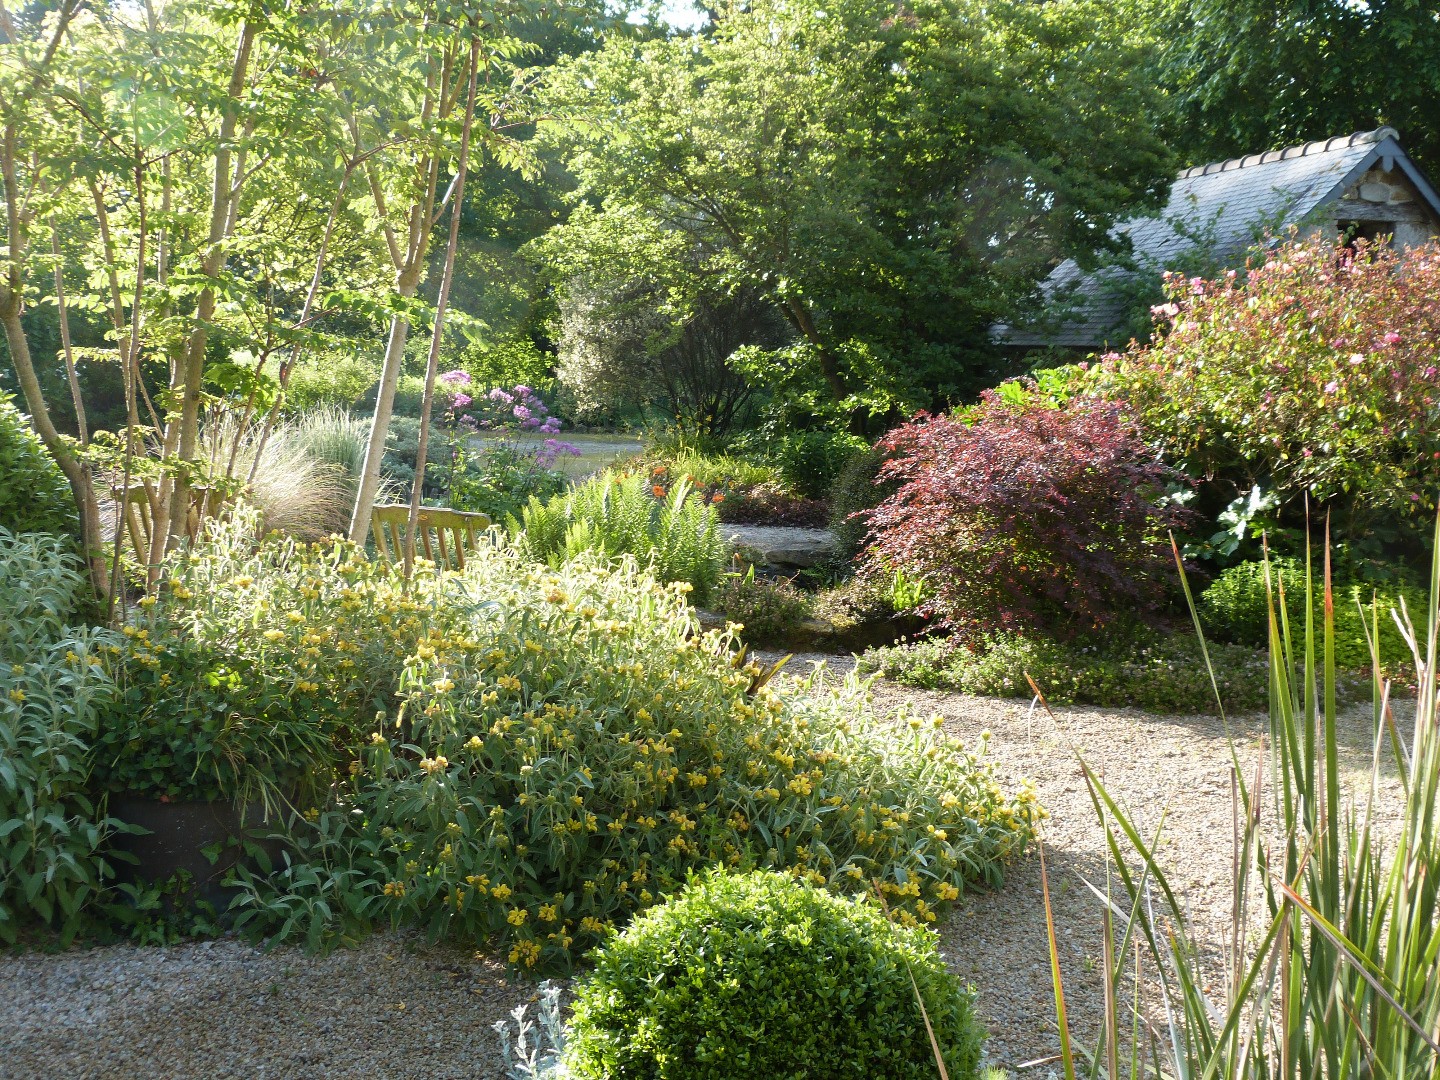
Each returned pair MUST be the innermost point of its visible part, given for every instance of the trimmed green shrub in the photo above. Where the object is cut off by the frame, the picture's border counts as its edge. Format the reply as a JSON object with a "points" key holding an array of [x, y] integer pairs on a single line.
{"points": [[763, 976], [34, 494], [1160, 673], [1235, 608], [562, 747], [52, 832], [673, 530]]}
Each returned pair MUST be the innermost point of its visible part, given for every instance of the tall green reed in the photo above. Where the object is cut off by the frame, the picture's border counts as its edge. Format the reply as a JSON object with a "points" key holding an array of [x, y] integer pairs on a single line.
{"points": [[1332, 957]]}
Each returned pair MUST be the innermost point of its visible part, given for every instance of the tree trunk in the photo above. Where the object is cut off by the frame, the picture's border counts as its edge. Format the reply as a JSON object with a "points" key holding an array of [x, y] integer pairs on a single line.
{"points": [[446, 278], [76, 472], [191, 368]]}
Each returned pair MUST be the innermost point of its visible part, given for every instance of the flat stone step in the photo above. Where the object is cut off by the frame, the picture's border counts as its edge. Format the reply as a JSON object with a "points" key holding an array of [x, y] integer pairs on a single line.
{"points": [[783, 545]]}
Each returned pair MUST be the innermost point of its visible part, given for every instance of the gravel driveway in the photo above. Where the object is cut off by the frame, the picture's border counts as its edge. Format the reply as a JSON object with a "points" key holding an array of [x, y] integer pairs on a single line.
{"points": [[396, 1007]]}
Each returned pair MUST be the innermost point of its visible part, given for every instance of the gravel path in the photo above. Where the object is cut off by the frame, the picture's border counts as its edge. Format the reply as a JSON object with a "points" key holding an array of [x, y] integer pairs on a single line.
{"points": [[1178, 766], [398, 1007], [394, 1007]]}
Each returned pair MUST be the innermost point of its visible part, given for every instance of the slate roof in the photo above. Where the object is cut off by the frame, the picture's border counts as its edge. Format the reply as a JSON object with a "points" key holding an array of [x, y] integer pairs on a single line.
{"points": [[1231, 203]]}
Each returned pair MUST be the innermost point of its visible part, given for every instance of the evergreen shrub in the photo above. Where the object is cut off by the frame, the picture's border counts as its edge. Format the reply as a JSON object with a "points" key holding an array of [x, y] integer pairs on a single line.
{"points": [[759, 975], [1236, 608]]}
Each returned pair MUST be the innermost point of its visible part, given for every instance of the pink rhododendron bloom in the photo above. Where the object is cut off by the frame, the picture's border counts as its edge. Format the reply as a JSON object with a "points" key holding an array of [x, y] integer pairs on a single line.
{"points": [[455, 378], [462, 400], [1331, 386], [1391, 338]]}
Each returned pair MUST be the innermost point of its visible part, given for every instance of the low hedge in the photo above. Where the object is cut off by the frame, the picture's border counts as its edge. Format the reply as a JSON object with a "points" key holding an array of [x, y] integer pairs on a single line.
{"points": [[1235, 609]]}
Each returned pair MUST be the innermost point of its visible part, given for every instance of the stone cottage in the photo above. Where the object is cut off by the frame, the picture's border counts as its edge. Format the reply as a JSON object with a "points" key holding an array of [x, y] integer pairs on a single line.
{"points": [[1361, 185]]}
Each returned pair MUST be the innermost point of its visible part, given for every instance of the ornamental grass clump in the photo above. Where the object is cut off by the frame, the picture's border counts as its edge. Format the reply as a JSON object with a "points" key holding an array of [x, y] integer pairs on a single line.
{"points": [[1332, 957], [757, 975], [564, 746]]}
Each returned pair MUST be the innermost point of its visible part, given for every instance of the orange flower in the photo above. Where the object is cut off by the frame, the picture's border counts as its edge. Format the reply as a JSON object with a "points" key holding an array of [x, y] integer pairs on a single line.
{"points": [[717, 498], [659, 470], [658, 491]]}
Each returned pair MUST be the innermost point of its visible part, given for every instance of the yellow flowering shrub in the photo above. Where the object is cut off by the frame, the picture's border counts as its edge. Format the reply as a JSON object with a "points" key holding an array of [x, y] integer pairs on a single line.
{"points": [[253, 668], [564, 745]]}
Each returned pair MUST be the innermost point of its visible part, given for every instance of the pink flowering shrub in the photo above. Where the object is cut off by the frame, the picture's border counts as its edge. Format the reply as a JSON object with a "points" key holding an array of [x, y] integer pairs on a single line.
{"points": [[1315, 373], [1026, 516]]}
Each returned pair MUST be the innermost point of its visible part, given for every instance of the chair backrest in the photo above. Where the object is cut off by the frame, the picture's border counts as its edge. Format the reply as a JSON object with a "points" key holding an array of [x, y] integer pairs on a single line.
{"points": [[135, 508], [442, 535]]}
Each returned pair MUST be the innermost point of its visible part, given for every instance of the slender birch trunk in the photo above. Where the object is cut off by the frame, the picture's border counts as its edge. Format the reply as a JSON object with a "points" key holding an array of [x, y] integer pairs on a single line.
{"points": [[446, 278]]}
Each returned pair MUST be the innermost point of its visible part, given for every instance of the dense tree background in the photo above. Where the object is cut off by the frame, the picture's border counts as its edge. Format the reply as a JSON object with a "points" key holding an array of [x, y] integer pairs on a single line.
{"points": [[1247, 75]]}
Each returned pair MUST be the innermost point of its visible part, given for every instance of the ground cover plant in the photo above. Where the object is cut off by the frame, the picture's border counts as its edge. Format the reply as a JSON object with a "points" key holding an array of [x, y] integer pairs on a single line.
{"points": [[567, 747], [756, 975], [1158, 671]]}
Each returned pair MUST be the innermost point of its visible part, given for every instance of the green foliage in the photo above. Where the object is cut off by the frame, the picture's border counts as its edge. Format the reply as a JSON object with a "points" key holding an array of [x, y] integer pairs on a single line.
{"points": [[52, 831], [767, 610], [880, 156], [249, 666], [402, 447], [500, 478], [761, 975], [855, 491], [1234, 608], [809, 462], [507, 361], [34, 495], [670, 529], [1157, 672], [710, 472], [568, 746], [339, 382], [1247, 76]]}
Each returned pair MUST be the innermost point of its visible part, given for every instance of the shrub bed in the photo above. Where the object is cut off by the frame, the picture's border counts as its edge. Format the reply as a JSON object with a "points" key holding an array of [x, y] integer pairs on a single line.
{"points": [[756, 975], [566, 746], [52, 830], [1235, 608]]}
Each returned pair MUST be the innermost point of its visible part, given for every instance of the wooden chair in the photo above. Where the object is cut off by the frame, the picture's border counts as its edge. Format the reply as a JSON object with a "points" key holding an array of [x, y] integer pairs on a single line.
{"points": [[135, 508], [439, 530]]}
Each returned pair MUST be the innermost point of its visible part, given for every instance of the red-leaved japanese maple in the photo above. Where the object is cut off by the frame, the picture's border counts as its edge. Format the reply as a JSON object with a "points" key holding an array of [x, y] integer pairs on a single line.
{"points": [[1026, 516]]}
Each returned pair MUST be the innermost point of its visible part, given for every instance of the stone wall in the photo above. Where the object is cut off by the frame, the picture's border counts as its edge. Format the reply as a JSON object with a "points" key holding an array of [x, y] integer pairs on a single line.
{"points": [[1389, 199]]}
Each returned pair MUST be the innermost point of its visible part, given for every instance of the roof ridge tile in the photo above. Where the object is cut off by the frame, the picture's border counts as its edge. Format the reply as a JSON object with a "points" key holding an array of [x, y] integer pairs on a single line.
{"points": [[1286, 153]]}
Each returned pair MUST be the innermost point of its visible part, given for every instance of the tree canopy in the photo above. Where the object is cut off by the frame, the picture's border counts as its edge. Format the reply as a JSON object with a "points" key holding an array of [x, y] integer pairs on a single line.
{"points": [[893, 181]]}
